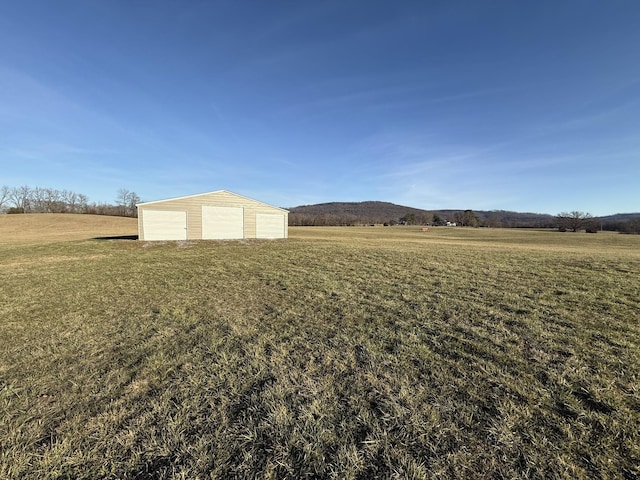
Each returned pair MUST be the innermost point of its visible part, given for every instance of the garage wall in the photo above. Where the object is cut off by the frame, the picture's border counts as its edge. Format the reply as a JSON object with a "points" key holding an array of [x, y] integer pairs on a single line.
{"points": [[193, 206]]}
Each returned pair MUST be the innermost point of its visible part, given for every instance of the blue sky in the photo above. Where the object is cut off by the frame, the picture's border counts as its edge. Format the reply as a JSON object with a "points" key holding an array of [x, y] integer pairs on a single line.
{"points": [[527, 106]]}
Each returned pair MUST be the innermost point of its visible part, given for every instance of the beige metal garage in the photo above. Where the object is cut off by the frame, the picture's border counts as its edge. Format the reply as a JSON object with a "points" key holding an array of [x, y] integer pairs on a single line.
{"points": [[218, 215]]}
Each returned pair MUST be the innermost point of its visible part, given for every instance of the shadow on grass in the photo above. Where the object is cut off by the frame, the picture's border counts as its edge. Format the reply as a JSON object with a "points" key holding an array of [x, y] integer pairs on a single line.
{"points": [[118, 237]]}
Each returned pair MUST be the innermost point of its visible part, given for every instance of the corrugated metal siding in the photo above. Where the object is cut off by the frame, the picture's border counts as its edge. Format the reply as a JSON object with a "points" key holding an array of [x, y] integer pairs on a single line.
{"points": [[193, 206]]}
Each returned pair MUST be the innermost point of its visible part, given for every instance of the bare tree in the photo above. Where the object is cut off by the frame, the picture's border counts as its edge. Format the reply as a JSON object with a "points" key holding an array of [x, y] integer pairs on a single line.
{"points": [[574, 220], [134, 199], [122, 200], [126, 201], [83, 203], [49, 200], [70, 201], [21, 198], [52, 201], [4, 196], [36, 200]]}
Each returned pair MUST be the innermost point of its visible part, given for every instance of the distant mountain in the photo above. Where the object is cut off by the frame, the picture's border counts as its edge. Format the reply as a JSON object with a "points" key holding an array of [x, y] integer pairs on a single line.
{"points": [[622, 222], [621, 217], [372, 212], [355, 212]]}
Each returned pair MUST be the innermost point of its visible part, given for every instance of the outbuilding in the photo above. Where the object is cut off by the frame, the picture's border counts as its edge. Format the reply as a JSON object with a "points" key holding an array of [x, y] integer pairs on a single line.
{"points": [[218, 215]]}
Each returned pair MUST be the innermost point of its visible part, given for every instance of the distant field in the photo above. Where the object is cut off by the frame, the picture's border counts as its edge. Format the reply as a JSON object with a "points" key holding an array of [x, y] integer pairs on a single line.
{"points": [[378, 352], [43, 228]]}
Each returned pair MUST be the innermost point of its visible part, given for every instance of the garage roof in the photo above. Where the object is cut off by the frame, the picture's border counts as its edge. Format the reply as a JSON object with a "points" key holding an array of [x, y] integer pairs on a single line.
{"points": [[209, 193]]}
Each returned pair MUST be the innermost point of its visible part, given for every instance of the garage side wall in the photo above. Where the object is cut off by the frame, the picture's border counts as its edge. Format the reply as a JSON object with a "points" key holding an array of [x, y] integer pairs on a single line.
{"points": [[193, 207]]}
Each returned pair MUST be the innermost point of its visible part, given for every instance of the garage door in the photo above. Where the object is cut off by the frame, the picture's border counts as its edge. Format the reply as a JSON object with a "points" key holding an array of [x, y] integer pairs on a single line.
{"points": [[220, 223], [269, 225], [164, 225]]}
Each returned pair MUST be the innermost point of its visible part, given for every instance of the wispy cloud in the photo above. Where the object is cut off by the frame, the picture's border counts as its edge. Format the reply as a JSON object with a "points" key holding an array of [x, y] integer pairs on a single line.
{"points": [[420, 170], [323, 102], [55, 150], [379, 98], [434, 98]]}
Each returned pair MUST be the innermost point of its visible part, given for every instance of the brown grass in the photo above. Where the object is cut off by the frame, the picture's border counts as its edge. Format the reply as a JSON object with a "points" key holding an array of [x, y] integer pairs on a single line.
{"points": [[58, 227], [339, 353]]}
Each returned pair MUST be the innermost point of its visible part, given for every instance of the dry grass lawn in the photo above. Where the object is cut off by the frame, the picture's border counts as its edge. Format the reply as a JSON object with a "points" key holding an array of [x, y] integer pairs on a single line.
{"points": [[49, 227], [339, 353]]}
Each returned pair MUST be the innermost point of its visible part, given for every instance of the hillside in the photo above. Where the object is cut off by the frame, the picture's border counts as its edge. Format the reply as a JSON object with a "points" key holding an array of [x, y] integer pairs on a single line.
{"points": [[358, 212], [371, 212], [49, 227], [349, 213]]}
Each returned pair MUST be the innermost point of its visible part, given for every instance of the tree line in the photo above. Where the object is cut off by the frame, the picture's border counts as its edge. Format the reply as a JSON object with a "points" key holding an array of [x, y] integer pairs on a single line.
{"points": [[463, 218], [27, 199], [577, 221], [574, 221]]}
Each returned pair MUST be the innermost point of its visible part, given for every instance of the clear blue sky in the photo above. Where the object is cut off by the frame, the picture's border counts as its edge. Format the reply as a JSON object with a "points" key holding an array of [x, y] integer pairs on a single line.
{"points": [[528, 106]]}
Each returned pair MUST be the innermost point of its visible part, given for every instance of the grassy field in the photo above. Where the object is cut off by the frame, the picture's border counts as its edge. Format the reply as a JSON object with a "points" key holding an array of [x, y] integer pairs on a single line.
{"points": [[340, 353]]}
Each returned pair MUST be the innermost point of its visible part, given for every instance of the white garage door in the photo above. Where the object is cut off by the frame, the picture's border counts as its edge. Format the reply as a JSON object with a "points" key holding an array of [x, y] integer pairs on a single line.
{"points": [[219, 223], [270, 225], [164, 225]]}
